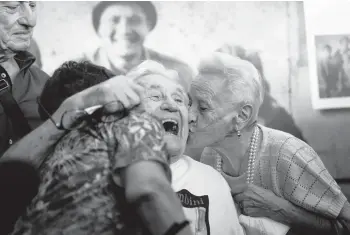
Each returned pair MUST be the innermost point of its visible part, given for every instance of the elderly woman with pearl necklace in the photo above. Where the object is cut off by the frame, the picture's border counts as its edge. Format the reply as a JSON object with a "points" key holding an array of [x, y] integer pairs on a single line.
{"points": [[272, 174]]}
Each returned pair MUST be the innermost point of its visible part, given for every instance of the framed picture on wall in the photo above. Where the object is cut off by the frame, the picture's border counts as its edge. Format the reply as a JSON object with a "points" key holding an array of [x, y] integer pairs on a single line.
{"points": [[329, 58]]}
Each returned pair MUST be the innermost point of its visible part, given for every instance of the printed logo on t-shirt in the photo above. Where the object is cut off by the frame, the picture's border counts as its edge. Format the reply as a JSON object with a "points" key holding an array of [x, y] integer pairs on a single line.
{"points": [[196, 209]]}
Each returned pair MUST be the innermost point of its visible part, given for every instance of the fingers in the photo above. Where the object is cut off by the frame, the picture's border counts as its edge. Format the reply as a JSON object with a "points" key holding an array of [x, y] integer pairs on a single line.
{"points": [[137, 88], [227, 177], [123, 98], [239, 197], [123, 89], [119, 88], [237, 184], [132, 91]]}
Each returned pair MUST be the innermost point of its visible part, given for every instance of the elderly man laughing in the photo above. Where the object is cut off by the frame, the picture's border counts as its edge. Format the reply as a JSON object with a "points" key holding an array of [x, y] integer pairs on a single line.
{"points": [[203, 192]]}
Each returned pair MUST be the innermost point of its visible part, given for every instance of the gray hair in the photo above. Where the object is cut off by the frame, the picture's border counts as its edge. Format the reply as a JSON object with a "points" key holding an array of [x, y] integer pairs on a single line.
{"points": [[150, 67], [241, 77]]}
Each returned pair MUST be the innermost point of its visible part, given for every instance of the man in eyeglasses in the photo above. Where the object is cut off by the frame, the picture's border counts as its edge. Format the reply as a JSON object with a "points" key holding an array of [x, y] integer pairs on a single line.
{"points": [[20, 82]]}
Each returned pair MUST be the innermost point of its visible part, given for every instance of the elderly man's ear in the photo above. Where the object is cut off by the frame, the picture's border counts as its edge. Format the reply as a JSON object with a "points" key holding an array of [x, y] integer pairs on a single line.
{"points": [[244, 117]]}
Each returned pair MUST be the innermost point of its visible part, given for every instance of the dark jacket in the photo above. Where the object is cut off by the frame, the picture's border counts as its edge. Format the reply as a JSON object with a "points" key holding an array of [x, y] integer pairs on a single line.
{"points": [[26, 88]]}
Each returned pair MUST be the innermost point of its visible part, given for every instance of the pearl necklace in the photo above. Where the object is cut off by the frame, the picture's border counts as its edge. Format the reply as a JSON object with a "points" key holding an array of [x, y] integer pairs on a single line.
{"points": [[251, 160]]}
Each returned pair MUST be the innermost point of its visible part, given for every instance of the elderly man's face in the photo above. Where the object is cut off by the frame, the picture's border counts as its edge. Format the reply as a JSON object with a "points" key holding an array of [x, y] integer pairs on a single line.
{"points": [[123, 28], [167, 100], [17, 20], [211, 101]]}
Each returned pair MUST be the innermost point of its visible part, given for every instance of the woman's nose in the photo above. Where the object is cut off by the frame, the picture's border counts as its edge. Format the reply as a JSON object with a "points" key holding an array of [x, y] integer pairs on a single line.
{"points": [[192, 118]]}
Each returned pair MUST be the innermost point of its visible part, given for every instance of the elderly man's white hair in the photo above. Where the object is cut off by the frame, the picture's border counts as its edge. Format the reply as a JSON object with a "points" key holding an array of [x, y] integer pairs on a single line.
{"points": [[242, 78], [150, 67]]}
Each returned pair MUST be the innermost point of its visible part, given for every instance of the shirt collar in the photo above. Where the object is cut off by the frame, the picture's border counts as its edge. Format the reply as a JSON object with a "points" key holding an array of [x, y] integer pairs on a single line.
{"points": [[24, 60]]}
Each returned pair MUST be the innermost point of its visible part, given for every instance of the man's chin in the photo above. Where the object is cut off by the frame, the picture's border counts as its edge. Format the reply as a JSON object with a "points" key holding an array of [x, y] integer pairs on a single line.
{"points": [[174, 144], [196, 140], [19, 46]]}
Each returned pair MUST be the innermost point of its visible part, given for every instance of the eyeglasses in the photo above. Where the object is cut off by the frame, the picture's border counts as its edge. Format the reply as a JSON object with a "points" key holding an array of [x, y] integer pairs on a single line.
{"points": [[76, 118]]}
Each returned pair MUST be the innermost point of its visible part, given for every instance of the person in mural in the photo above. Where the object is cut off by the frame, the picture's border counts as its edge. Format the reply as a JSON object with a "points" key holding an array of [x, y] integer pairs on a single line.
{"points": [[123, 27], [342, 58], [331, 70], [272, 174]]}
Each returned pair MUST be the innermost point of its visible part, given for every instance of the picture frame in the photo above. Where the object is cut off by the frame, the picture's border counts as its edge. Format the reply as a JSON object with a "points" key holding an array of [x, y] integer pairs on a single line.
{"points": [[328, 44]]}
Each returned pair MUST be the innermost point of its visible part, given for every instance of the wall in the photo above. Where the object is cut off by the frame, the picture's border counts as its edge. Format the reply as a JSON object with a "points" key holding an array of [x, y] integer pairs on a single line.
{"points": [[184, 29], [188, 29], [328, 131]]}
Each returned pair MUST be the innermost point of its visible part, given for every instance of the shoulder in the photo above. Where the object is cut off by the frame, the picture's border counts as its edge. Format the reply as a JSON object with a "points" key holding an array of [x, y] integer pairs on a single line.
{"points": [[276, 141], [285, 150], [93, 56], [38, 77], [282, 120], [38, 72]]}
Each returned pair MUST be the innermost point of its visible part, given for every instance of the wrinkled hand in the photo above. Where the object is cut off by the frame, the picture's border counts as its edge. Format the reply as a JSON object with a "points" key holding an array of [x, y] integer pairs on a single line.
{"points": [[255, 201], [119, 88]]}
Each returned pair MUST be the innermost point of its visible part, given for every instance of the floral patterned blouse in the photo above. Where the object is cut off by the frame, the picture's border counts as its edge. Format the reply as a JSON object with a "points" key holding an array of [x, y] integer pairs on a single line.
{"points": [[81, 191]]}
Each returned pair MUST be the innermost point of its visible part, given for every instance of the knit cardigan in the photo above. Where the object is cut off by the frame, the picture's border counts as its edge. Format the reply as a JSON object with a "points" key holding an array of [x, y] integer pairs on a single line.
{"points": [[292, 170]]}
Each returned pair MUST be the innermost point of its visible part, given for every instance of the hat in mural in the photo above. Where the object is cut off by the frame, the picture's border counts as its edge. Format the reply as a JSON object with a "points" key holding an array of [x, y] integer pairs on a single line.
{"points": [[147, 6]]}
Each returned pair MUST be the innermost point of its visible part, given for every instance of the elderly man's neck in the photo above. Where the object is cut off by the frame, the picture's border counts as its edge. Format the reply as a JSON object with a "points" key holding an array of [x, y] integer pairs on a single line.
{"points": [[174, 159]]}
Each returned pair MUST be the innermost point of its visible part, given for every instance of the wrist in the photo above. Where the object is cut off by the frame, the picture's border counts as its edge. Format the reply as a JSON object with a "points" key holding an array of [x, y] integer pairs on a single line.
{"points": [[345, 212], [285, 213], [66, 105]]}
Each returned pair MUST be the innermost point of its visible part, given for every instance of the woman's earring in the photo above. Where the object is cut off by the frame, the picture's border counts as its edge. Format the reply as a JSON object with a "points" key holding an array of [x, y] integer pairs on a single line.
{"points": [[239, 133]]}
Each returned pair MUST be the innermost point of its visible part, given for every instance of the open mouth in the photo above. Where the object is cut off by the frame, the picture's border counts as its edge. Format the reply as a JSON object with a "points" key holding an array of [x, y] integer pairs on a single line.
{"points": [[171, 126]]}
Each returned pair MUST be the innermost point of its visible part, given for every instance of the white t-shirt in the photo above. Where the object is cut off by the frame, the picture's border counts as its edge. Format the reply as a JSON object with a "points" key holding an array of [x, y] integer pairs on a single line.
{"points": [[206, 198]]}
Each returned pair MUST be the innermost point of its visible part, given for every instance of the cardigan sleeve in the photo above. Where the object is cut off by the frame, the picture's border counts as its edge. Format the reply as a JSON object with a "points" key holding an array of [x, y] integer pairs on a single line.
{"points": [[303, 179]]}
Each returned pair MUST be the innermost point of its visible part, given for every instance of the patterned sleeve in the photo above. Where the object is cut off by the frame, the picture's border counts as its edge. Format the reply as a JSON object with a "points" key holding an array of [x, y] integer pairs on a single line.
{"points": [[140, 138], [303, 179]]}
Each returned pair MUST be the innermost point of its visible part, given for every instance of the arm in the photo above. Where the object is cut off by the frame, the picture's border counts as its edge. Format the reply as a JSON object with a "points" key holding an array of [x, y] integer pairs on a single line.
{"points": [[147, 187], [258, 202], [300, 220], [344, 216], [36, 145], [303, 180], [316, 198], [143, 163]]}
